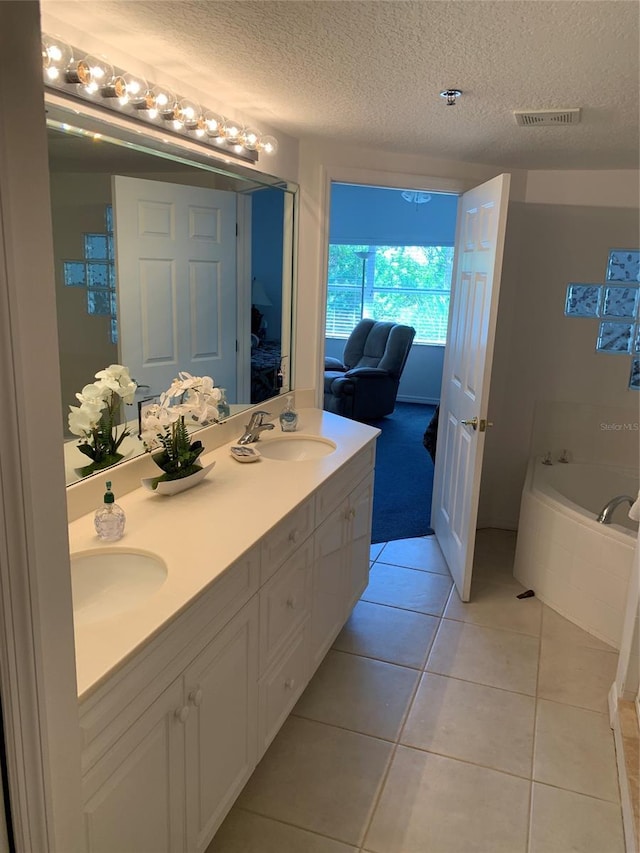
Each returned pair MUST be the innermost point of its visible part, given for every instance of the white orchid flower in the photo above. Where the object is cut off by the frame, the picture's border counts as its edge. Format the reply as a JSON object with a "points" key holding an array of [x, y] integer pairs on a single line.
{"points": [[83, 419], [96, 393], [127, 391]]}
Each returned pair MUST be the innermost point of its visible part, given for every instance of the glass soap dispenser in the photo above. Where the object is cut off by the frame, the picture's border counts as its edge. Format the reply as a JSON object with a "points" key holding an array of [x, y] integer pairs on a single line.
{"points": [[223, 405], [110, 518], [288, 417]]}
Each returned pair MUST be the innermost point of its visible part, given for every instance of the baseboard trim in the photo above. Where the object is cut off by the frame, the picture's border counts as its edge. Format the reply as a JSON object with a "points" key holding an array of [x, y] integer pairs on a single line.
{"points": [[425, 401]]}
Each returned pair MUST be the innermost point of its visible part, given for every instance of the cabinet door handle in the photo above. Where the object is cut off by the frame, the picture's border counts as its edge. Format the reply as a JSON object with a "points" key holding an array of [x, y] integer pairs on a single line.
{"points": [[195, 697], [294, 536], [291, 602], [182, 713], [350, 514], [290, 683]]}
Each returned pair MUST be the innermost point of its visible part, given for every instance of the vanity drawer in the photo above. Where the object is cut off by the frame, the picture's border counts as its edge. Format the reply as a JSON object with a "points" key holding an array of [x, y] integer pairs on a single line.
{"points": [[336, 489], [280, 688], [285, 537], [285, 603]]}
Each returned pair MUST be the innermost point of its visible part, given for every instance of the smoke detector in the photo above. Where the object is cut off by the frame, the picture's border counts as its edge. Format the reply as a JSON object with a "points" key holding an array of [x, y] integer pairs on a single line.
{"points": [[546, 118]]}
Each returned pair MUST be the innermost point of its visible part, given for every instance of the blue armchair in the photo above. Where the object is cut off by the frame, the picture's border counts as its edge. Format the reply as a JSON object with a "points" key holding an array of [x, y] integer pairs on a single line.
{"points": [[363, 386]]}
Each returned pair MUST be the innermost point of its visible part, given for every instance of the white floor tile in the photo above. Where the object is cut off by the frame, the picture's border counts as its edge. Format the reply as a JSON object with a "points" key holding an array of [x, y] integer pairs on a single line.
{"points": [[435, 804], [574, 750], [558, 630], [360, 694], [488, 656], [577, 675], [319, 778], [388, 634], [424, 592], [496, 605], [420, 553], [245, 832], [564, 821], [472, 722]]}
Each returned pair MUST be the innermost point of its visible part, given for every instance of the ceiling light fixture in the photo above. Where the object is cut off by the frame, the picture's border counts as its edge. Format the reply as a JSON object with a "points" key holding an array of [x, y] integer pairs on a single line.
{"points": [[416, 196], [94, 79], [451, 96]]}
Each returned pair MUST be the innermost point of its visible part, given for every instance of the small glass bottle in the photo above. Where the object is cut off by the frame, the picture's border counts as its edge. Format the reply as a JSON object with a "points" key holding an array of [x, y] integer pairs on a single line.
{"points": [[288, 417], [110, 518], [223, 406]]}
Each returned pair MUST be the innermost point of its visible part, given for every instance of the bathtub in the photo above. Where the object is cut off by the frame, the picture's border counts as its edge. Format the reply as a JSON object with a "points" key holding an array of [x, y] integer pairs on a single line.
{"points": [[578, 567]]}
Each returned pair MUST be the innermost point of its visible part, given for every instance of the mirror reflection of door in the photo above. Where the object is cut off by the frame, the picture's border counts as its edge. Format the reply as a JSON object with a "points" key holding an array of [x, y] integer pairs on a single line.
{"points": [[176, 281]]}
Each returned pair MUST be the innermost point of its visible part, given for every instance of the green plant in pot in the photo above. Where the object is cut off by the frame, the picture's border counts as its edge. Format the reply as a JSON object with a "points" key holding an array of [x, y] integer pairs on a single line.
{"points": [[97, 419], [165, 431]]}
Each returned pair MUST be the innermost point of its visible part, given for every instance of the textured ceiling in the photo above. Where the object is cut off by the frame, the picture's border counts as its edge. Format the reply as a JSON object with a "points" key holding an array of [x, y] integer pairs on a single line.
{"points": [[370, 72]]}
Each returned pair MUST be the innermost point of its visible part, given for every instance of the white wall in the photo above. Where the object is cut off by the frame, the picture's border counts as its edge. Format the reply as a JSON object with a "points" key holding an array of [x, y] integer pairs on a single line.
{"points": [[321, 162], [543, 356]]}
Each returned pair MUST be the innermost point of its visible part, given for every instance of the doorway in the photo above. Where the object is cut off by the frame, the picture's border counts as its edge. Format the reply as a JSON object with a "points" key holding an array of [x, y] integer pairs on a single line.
{"points": [[390, 257]]}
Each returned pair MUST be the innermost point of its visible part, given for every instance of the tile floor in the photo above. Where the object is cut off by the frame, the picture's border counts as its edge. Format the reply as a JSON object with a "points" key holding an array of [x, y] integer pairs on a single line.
{"points": [[434, 726]]}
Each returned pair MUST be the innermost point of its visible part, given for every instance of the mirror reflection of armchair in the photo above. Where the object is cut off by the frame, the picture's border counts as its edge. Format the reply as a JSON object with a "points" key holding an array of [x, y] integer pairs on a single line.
{"points": [[364, 385]]}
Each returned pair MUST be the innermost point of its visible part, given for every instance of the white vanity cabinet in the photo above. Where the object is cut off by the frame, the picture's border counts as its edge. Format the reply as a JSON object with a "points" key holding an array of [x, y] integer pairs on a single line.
{"points": [[220, 688], [173, 734], [342, 543]]}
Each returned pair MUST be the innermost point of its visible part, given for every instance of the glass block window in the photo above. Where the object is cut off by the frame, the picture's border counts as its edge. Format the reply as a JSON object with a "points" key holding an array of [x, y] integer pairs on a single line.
{"points": [[583, 300], [98, 274], [620, 302], [634, 378], [624, 265], [99, 302], [615, 337], [74, 274], [95, 246]]}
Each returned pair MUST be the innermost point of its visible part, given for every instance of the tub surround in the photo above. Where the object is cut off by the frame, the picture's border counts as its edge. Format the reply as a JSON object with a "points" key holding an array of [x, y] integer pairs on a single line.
{"points": [[200, 533], [578, 567]]}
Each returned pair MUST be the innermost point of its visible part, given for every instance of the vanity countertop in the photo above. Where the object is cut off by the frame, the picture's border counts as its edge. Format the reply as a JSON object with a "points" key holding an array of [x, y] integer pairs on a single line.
{"points": [[200, 533]]}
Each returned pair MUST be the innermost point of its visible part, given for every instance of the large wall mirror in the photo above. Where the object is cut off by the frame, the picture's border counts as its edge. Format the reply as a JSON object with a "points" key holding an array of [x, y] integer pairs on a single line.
{"points": [[166, 260]]}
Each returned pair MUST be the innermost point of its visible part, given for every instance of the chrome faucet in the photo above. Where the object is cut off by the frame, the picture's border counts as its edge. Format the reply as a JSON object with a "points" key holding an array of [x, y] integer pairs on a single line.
{"points": [[255, 426], [607, 511]]}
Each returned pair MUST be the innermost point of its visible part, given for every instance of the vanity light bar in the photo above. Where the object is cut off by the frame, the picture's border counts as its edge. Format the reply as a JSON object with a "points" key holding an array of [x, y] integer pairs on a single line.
{"points": [[93, 79]]}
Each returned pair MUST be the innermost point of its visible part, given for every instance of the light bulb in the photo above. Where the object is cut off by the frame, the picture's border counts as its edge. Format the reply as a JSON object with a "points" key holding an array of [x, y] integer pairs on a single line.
{"points": [[231, 131], [211, 123], [135, 91], [56, 56], [250, 138], [92, 73], [187, 113], [164, 102], [268, 144]]}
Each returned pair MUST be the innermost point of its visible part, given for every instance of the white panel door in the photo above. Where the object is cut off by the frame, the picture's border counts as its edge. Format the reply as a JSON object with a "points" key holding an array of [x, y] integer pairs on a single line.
{"points": [[466, 375], [176, 281]]}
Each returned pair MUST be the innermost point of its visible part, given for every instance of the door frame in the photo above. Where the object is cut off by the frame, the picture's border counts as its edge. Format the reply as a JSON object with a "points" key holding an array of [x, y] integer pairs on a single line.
{"points": [[374, 178], [37, 658]]}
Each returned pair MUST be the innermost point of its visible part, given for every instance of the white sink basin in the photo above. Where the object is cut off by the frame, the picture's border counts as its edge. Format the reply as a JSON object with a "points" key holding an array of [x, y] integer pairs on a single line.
{"points": [[295, 448], [106, 583]]}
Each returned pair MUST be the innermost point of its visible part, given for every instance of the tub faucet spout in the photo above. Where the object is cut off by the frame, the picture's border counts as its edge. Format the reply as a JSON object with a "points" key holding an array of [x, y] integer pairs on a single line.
{"points": [[607, 511]]}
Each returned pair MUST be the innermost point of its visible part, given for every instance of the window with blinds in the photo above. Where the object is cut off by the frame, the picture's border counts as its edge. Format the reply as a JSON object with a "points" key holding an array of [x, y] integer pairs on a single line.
{"points": [[403, 284]]}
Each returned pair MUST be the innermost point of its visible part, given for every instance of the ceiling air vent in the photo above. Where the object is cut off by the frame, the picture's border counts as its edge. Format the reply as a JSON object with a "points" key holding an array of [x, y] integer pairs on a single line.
{"points": [[546, 118]]}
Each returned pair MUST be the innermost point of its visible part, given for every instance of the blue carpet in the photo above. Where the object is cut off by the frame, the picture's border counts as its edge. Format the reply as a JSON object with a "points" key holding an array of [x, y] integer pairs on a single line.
{"points": [[403, 475]]}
